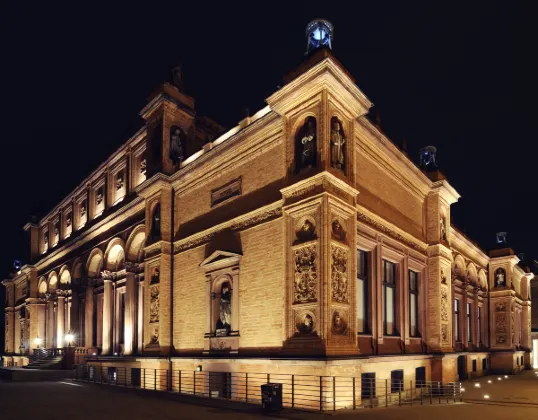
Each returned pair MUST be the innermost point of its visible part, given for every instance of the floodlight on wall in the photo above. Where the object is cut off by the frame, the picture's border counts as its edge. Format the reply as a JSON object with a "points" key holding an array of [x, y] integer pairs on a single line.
{"points": [[199, 368]]}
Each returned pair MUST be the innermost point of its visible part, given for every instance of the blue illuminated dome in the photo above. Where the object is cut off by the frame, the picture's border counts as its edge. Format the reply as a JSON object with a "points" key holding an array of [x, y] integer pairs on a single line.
{"points": [[319, 34]]}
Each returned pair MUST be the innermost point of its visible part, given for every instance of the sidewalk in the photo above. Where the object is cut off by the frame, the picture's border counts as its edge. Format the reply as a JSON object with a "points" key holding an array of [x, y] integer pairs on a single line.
{"points": [[504, 389]]}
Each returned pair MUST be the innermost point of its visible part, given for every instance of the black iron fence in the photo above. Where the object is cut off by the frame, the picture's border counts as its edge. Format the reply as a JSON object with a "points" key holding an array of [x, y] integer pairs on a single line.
{"points": [[309, 392]]}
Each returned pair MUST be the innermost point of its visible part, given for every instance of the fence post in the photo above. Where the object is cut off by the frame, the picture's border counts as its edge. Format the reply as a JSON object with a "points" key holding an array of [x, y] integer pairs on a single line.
{"points": [[292, 391], [411, 392], [372, 390], [179, 381], [454, 391], [421, 394], [268, 377], [209, 384], [386, 392], [431, 397], [334, 393], [155, 380], [194, 384], [320, 393], [400, 393], [246, 387], [439, 390], [354, 398], [144, 378]]}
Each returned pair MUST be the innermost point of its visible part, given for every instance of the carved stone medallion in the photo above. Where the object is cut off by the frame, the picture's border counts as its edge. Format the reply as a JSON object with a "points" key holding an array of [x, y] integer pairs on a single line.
{"points": [[154, 337], [339, 323], [305, 324], [339, 281]]}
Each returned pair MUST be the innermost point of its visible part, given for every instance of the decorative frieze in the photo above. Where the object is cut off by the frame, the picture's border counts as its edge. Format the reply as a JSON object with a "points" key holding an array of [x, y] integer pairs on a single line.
{"points": [[444, 303], [305, 276], [339, 274]]}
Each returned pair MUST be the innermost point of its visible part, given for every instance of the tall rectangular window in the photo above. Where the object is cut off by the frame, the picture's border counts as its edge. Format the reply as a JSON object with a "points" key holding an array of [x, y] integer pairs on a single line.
{"points": [[413, 304], [389, 295], [363, 284], [457, 319], [469, 323], [396, 380], [368, 385], [479, 325]]}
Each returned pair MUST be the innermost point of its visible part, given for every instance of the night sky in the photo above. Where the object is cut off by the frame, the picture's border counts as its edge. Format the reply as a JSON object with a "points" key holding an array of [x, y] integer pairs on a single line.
{"points": [[460, 77]]}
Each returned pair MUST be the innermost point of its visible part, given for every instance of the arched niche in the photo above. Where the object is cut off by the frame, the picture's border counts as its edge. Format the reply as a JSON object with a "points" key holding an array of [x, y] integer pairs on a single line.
{"points": [[471, 274], [65, 276], [42, 287], [135, 244], [53, 281], [459, 267], [78, 270], [155, 232], [306, 144], [94, 266], [338, 144], [115, 255]]}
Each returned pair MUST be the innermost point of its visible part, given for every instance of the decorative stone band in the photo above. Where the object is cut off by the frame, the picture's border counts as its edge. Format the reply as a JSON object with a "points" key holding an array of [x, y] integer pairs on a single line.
{"points": [[265, 214], [363, 216], [131, 267], [64, 293]]}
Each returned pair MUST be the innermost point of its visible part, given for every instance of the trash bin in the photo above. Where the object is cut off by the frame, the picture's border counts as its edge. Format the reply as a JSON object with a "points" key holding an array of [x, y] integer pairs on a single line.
{"points": [[272, 397]]}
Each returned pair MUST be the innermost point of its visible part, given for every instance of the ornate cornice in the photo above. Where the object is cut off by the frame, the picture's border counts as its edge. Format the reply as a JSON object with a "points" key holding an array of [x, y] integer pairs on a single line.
{"points": [[390, 230], [246, 221]]}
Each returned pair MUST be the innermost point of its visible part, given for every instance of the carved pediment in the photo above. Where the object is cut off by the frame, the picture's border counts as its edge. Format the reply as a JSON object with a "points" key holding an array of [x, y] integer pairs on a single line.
{"points": [[220, 259]]}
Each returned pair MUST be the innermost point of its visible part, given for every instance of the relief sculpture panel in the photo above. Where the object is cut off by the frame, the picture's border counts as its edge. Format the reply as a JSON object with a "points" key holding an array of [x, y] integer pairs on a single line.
{"points": [[444, 303], [339, 281], [154, 304], [305, 276]]}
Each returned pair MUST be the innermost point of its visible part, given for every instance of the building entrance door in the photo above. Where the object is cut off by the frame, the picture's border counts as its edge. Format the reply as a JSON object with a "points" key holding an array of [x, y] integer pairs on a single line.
{"points": [[462, 367]]}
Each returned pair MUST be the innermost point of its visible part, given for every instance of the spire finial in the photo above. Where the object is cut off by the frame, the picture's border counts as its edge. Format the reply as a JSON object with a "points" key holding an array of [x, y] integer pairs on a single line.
{"points": [[319, 33]]}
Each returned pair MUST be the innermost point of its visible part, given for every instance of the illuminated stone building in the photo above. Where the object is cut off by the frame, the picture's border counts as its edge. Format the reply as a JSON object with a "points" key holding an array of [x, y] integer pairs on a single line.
{"points": [[300, 241]]}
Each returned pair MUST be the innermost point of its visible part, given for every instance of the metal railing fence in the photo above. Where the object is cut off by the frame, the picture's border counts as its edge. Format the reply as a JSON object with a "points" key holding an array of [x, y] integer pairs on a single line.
{"points": [[308, 392]]}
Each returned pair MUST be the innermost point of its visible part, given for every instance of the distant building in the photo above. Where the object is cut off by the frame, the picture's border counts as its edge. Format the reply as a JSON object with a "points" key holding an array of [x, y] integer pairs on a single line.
{"points": [[301, 241]]}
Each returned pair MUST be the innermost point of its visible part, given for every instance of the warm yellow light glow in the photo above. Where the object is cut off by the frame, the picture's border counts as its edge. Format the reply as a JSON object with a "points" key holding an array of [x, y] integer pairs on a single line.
{"points": [[37, 341], [489, 381], [462, 389], [69, 338], [499, 378], [477, 385], [486, 396], [506, 376]]}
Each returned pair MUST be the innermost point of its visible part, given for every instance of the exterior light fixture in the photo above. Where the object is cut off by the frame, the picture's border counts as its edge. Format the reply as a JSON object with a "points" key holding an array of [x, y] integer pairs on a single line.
{"points": [[69, 338], [489, 381], [38, 341], [94, 354], [199, 368], [477, 385], [115, 353], [486, 396], [499, 378], [462, 389], [505, 376]]}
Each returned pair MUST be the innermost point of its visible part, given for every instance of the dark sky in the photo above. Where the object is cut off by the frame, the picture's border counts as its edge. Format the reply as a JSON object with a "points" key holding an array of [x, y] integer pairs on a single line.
{"points": [[460, 76]]}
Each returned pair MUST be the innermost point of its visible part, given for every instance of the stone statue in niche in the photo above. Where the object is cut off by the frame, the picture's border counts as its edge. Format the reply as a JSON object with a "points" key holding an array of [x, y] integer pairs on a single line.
{"points": [[306, 232], [306, 145], [339, 274], [68, 220], [155, 276], [444, 333], [177, 144], [339, 324], [56, 230], [143, 166], [443, 276], [46, 238], [306, 325], [305, 281], [119, 182], [156, 223], [500, 278], [82, 210], [338, 231], [337, 144], [224, 322], [442, 223], [99, 196]]}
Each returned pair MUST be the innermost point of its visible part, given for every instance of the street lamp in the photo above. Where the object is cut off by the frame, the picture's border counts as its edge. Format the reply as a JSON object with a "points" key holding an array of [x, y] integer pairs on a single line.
{"points": [[69, 338], [37, 341]]}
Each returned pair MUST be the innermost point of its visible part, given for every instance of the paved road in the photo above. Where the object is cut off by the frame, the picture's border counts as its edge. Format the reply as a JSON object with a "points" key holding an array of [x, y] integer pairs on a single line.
{"points": [[66, 400]]}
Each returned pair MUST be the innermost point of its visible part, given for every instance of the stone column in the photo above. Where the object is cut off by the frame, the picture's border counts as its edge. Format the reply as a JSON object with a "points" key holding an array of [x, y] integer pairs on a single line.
{"points": [[50, 323], [108, 305], [88, 317], [131, 298], [60, 322]]}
